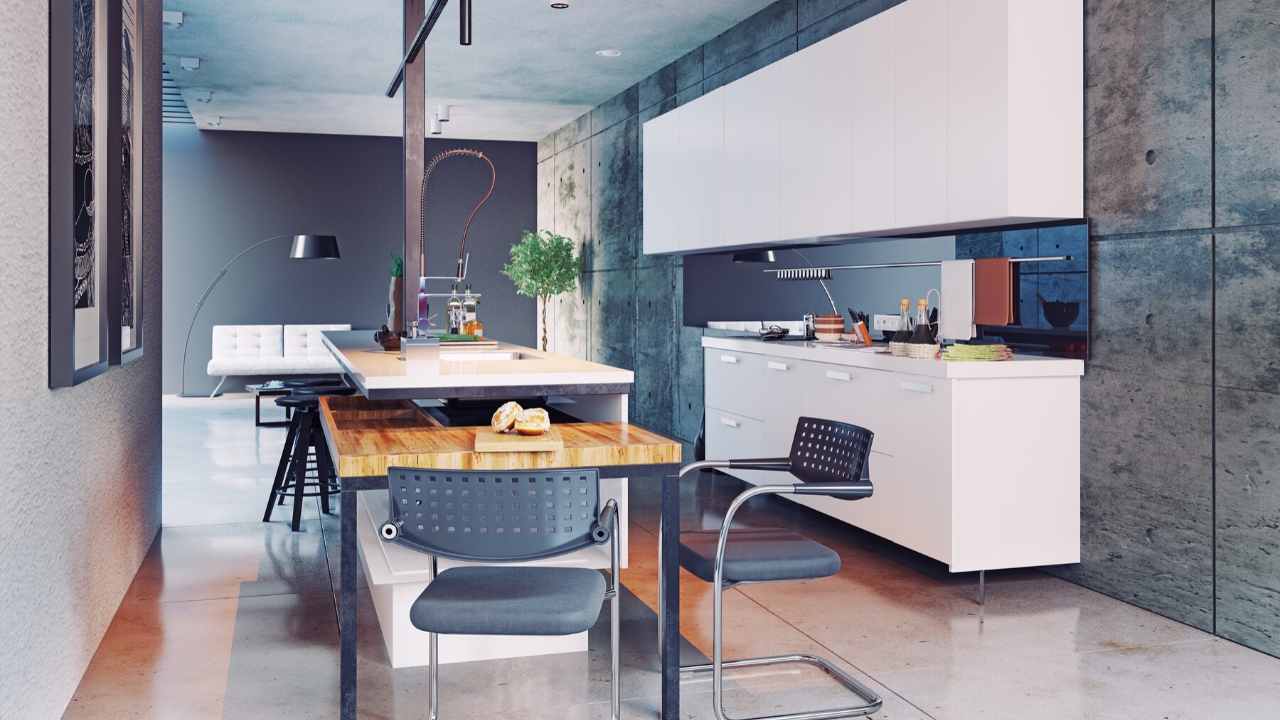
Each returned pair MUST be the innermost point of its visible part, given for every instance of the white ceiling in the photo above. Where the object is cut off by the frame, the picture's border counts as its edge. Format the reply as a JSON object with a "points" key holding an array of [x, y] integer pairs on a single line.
{"points": [[321, 66]]}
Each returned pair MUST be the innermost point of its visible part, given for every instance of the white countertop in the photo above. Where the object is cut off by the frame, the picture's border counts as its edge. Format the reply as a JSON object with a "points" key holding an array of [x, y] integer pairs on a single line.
{"points": [[877, 358], [445, 368]]}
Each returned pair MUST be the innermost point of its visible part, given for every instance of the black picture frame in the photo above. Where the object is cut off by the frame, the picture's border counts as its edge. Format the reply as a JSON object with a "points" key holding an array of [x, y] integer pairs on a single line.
{"points": [[125, 266], [81, 313]]}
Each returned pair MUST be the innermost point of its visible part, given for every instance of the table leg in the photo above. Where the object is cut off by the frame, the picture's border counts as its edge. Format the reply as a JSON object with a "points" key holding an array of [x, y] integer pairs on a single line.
{"points": [[669, 602], [347, 606]]}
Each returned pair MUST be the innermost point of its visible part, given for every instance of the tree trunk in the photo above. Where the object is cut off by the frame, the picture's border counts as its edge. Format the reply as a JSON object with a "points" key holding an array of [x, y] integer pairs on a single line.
{"points": [[546, 299]]}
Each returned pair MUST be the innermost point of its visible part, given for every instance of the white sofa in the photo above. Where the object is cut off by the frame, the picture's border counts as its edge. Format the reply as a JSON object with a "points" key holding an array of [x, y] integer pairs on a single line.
{"points": [[270, 350]]}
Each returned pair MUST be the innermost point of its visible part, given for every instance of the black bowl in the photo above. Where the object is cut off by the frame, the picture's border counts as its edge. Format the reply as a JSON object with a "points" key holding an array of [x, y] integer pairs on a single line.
{"points": [[1060, 314]]}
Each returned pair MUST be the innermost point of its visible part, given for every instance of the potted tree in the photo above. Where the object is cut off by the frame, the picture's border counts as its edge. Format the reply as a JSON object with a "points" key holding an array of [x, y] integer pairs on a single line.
{"points": [[542, 266]]}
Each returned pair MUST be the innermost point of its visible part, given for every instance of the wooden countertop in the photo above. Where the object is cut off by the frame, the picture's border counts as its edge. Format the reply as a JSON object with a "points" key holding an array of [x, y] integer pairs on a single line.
{"points": [[459, 371], [366, 437]]}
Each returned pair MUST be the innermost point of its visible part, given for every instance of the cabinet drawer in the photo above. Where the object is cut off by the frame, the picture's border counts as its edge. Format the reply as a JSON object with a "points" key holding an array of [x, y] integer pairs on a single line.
{"points": [[731, 436], [736, 383]]}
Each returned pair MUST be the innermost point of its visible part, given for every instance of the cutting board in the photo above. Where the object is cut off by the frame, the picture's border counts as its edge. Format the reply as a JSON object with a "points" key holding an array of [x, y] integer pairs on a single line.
{"points": [[489, 441]]}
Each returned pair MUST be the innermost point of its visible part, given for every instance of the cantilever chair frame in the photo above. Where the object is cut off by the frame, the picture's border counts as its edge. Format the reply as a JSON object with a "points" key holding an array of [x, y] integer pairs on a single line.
{"points": [[606, 521], [850, 491]]}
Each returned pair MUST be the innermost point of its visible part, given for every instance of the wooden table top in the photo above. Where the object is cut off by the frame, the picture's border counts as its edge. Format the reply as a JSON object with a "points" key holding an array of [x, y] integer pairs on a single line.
{"points": [[366, 437]]}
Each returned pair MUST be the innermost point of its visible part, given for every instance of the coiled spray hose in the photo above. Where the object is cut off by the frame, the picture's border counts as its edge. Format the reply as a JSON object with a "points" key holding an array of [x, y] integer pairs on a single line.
{"points": [[466, 229]]}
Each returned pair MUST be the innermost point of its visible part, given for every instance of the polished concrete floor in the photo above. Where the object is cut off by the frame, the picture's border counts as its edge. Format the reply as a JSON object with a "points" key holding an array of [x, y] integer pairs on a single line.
{"points": [[230, 617]]}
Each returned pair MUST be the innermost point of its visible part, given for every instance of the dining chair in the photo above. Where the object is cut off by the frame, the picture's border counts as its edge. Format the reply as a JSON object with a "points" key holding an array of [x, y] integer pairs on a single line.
{"points": [[507, 517], [827, 458]]}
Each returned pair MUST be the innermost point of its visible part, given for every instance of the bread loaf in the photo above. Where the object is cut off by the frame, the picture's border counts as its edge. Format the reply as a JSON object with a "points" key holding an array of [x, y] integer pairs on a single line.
{"points": [[534, 421], [505, 417]]}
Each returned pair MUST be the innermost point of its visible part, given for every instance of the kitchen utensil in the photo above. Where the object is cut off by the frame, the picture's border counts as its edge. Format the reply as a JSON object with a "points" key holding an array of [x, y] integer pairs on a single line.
{"points": [[828, 328]]}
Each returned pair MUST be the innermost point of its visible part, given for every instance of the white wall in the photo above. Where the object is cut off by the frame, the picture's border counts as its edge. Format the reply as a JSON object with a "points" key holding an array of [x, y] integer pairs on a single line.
{"points": [[79, 467]]}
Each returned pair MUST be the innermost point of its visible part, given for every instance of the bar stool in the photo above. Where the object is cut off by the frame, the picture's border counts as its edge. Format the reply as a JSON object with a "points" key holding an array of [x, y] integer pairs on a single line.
{"points": [[305, 469], [827, 458]]}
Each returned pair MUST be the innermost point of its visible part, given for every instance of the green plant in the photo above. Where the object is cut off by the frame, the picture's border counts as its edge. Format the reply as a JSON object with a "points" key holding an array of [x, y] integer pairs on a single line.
{"points": [[542, 266], [397, 266]]}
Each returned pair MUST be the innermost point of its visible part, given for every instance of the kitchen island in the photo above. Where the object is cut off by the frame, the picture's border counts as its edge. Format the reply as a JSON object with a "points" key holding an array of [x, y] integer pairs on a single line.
{"points": [[385, 428]]}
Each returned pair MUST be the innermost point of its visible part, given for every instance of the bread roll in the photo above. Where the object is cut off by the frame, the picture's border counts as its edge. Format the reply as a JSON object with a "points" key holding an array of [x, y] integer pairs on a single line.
{"points": [[505, 417], [534, 421]]}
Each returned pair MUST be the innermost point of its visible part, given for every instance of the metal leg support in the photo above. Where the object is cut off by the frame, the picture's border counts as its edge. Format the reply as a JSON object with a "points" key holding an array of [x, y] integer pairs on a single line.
{"points": [[218, 390]]}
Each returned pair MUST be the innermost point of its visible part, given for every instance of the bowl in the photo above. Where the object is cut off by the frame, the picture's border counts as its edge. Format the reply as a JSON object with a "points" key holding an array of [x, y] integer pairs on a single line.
{"points": [[1060, 314]]}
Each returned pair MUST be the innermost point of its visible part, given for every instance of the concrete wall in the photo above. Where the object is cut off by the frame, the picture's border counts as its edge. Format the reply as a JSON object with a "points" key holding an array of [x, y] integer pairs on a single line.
{"points": [[80, 478], [225, 191], [1181, 403]]}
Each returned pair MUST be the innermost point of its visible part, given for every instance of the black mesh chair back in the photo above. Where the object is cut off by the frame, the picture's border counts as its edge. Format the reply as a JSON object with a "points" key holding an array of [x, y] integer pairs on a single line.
{"points": [[494, 516], [827, 451]]}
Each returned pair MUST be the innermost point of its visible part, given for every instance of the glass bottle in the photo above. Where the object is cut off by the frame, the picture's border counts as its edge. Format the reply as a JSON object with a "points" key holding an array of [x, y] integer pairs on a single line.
{"points": [[469, 303], [903, 333], [923, 332], [454, 308]]}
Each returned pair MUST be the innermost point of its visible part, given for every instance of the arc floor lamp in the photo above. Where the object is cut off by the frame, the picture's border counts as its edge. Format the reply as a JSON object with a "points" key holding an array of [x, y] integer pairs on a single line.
{"points": [[304, 247]]}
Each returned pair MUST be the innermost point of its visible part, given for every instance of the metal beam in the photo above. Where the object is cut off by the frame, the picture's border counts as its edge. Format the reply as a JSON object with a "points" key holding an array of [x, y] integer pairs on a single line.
{"points": [[415, 45], [414, 73]]}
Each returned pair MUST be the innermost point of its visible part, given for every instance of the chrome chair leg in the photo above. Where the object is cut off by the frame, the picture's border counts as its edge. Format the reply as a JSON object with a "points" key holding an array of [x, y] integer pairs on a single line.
{"points": [[433, 656], [615, 624]]}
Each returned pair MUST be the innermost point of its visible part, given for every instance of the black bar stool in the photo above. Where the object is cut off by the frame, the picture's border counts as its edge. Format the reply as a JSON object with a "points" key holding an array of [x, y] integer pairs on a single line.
{"points": [[305, 469]]}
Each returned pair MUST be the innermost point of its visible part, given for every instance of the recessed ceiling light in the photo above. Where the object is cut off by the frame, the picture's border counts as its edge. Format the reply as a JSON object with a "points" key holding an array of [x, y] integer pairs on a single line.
{"points": [[609, 52], [559, 6]]}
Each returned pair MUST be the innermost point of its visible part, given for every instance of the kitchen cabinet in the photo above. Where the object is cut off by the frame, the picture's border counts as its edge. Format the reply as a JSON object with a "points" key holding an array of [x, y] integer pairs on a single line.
{"points": [[932, 116], [976, 465]]}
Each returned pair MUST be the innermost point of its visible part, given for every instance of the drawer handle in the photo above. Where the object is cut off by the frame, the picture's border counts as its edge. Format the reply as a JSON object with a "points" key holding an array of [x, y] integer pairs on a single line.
{"points": [[777, 365], [841, 376], [729, 422], [916, 387], [729, 359]]}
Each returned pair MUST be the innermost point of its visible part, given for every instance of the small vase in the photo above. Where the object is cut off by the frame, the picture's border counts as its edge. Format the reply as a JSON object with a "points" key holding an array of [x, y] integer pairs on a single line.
{"points": [[395, 305]]}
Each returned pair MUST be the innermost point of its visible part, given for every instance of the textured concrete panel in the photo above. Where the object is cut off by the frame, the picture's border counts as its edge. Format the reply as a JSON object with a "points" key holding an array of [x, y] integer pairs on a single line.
{"points": [[615, 196], [572, 215], [611, 295], [1028, 302], [616, 109], [689, 393], [546, 147], [546, 194], [1152, 300], [750, 64], [979, 245], [1248, 518], [658, 87], [1147, 116], [749, 37], [572, 133], [653, 111], [570, 318], [1248, 111], [689, 69], [1146, 501], [1248, 310], [820, 19], [689, 94], [1072, 240], [657, 334]]}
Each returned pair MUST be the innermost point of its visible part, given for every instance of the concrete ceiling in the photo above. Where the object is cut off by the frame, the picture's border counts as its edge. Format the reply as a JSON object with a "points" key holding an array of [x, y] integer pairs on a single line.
{"points": [[321, 66]]}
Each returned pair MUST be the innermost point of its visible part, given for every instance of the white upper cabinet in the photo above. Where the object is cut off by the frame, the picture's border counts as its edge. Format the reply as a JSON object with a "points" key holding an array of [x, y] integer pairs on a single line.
{"points": [[815, 167], [919, 29], [749, 194], [933, 116]]}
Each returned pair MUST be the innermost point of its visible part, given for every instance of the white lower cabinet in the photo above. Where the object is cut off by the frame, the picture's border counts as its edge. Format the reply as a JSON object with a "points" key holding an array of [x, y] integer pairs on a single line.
{"points": [[977, 473]]}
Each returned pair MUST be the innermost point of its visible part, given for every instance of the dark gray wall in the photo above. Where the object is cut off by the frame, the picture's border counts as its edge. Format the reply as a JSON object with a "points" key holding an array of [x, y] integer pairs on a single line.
{"points": [[1181, 403], [225, 191]]}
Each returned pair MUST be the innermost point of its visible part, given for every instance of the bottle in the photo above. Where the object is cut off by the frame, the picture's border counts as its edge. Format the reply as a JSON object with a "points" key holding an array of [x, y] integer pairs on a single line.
{"points": [[903, 333], [454, 309], [469, 303], [923, 332]]}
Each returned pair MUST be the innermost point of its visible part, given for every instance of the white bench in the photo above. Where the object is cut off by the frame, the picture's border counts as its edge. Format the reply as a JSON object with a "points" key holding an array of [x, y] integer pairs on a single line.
{"points": [[270, 350]]}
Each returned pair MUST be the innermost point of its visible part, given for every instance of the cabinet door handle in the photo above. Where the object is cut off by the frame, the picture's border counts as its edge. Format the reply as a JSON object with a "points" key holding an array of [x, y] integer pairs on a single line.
{"points": [[729, 422], [841, 376], [916, 387], [729, 359], [773, 365]]}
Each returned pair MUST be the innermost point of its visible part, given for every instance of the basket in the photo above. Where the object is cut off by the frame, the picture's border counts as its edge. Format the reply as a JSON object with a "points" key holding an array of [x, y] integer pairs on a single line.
{"points": [[898, 349], [921, 351]]}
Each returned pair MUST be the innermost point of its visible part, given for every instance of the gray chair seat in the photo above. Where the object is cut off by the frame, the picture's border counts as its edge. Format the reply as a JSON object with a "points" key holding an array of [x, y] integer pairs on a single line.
{"points": [[506, 600], [757, 556]]}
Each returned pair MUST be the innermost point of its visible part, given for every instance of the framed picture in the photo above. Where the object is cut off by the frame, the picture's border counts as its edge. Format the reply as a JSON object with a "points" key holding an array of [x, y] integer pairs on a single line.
{"points": [[129, 265], [79, 314]]}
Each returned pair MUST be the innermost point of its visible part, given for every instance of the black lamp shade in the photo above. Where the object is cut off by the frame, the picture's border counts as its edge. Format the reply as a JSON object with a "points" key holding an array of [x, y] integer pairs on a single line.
{"points": [[314, 247]]}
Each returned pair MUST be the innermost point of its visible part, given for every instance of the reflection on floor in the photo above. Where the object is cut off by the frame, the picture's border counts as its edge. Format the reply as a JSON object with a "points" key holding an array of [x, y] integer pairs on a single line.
{"points": [[233, 618]]}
